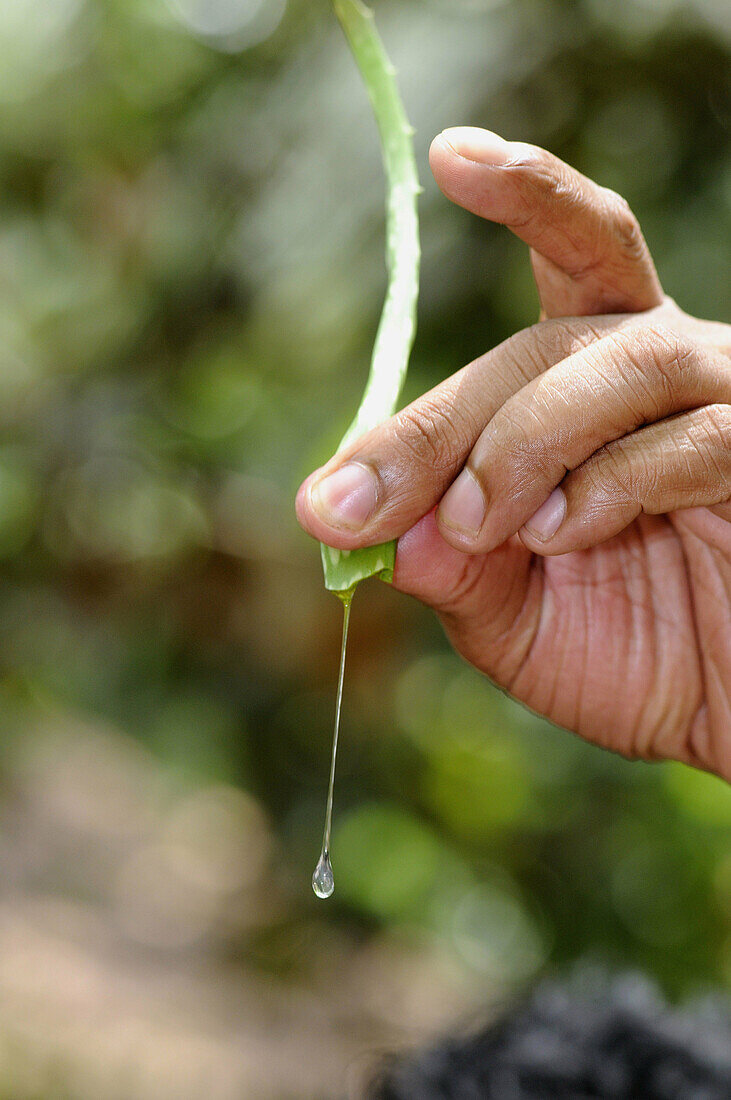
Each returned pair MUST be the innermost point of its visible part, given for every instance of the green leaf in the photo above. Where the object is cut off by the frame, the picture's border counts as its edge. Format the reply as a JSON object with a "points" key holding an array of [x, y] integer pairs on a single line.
{"points": [[395, 336]]}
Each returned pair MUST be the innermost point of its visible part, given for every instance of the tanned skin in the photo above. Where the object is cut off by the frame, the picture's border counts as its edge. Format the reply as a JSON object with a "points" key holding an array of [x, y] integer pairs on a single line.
{"points": [[564, 501]]}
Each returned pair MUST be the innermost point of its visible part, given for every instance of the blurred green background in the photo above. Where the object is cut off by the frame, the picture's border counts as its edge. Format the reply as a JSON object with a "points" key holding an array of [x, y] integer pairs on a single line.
{"points": [[191, 264]]}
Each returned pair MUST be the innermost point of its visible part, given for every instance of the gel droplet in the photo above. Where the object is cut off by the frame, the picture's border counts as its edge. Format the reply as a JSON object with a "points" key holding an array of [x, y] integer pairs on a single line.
{"points": [[323, 881]]}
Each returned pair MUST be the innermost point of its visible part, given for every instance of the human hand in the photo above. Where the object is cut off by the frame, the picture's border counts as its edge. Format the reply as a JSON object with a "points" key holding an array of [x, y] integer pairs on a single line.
{"points": [[564, 502]]}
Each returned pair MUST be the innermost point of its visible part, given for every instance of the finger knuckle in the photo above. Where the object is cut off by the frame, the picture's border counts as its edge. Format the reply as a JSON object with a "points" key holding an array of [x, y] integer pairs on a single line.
{"points": [[673, 359], [552, 340], [718, 428], [430, 434], [533, 170], [706, 465], [720, 418], [552, 177], [624, 225], [521, 431], [611, 475], [670, 364]]}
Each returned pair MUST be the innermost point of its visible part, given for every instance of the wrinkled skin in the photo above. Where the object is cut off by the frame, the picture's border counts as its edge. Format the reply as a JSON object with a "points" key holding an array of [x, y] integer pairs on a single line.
{"points": [[564, 502]]}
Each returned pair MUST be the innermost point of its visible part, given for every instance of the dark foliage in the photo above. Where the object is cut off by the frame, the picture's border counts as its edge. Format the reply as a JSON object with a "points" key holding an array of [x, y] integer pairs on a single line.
{"points": [[620, 1043]]}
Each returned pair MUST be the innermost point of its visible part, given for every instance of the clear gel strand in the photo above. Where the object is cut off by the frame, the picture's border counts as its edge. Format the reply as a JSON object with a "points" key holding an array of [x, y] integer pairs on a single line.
{"points": [[323, 882]]}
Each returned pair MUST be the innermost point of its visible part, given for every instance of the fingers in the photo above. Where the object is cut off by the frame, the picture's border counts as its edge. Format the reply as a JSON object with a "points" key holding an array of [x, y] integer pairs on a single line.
{"points": [[589, 255], [510, 425], [631, 377], [379, 486], [684, 462]]}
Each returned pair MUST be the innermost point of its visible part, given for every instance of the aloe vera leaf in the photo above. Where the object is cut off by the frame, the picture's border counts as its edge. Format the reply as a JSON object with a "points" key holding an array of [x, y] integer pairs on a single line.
{"points": [[345, 568]]}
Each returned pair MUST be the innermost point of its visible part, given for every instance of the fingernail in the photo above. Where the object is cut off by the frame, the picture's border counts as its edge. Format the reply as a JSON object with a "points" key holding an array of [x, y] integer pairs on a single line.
{"points": [[346, 498], [549, 517], [463, 506], [478, 145]]}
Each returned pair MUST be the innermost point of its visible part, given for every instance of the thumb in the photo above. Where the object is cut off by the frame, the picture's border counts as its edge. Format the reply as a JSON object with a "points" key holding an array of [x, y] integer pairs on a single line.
{"points": [[588, 252], [460, 587]]}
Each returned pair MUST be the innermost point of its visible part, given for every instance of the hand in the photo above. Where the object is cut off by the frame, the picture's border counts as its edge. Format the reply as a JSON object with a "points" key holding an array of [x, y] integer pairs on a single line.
{"points": [[564, 502]]}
